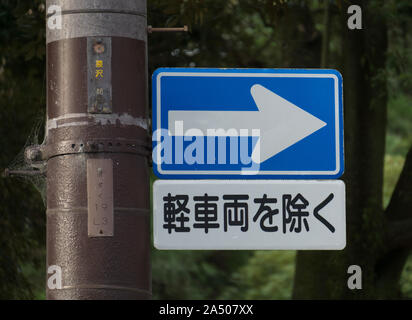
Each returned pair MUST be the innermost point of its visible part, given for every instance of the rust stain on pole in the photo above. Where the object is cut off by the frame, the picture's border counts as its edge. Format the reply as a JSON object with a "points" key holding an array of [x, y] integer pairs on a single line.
{"points": [[114, 264]]}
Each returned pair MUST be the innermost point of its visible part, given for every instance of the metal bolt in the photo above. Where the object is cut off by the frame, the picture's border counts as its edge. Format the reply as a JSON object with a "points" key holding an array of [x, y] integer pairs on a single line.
{"points": [[98, 47], [150, 29], [11, 173]]}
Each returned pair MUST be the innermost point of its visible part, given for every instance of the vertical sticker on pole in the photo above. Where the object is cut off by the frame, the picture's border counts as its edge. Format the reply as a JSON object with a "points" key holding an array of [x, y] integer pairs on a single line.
{"points": [[100, 197]]}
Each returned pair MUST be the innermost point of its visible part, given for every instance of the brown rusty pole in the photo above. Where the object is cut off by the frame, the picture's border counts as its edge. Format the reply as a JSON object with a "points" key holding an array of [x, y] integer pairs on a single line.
{"points": [[96, 149]]}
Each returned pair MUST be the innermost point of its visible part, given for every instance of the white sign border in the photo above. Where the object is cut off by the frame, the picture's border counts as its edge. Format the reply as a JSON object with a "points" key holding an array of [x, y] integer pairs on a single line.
{"points": [[256, 75]]}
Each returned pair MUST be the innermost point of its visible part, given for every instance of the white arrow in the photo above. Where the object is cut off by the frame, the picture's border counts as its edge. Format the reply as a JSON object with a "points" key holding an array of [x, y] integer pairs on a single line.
{"points": [[281, 123]]}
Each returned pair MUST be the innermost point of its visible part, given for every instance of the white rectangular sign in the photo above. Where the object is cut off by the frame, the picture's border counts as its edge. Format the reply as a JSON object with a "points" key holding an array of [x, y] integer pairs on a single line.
{"points": [[249, 214]]}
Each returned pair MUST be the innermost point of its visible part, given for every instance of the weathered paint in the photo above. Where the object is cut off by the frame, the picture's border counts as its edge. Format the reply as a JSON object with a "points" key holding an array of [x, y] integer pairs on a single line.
{"points": [[69, 120]]}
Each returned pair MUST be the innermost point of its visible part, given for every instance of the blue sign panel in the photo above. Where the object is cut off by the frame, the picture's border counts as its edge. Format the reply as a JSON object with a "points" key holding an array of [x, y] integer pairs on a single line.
{"points": [[247, 123]]}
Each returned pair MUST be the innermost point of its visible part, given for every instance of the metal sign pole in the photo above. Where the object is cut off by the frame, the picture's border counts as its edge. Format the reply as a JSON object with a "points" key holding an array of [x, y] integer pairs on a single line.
{"points": [[96, 149]]}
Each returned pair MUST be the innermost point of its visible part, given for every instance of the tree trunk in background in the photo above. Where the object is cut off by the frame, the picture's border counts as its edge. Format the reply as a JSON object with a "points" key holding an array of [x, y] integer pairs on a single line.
{"points": [[323, 275], [324, 61], [300, 41]]}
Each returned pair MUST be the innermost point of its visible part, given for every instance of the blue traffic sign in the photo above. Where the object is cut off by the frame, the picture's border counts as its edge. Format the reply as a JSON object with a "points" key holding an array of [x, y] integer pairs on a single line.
{"points": [[247, 123]]}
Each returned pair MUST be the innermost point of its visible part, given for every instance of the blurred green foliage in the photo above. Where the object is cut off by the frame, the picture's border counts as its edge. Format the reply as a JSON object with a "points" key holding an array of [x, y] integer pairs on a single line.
{"points": [[406, 280], [392, 169], [399, 135], [233, 33], [267, 275]]}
